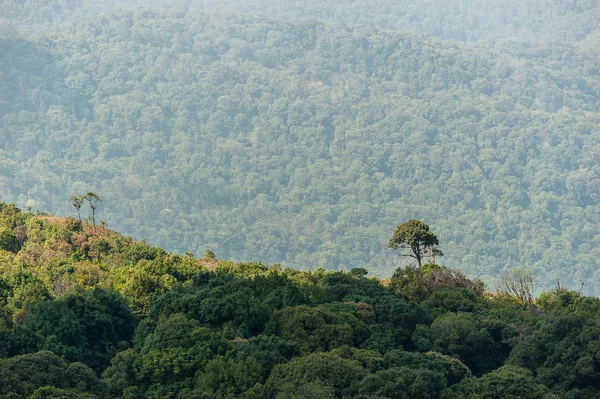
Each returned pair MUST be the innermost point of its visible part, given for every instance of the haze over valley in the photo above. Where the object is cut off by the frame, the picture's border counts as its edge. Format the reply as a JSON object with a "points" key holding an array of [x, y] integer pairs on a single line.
{"points": [[304, 135]]}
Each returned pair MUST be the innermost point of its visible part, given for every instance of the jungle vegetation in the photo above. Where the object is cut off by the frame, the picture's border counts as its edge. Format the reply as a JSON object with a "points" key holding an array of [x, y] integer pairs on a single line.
{"points": [[301, 142], [92, 314]]}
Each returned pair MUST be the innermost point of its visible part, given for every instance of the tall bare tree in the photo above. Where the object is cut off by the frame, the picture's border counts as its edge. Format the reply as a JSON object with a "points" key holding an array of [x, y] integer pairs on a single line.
{"points": [[77, 201], [93, 200], [517, 284]]}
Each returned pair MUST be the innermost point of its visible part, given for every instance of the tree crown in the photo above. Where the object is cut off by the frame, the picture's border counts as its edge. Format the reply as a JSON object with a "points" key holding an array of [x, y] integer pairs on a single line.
{"points": [[416, 236]]}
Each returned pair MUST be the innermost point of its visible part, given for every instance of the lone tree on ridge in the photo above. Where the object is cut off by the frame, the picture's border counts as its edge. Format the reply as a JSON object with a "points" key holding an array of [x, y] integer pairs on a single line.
{"points": [[93, 200], [77, 201], [415, 235]]}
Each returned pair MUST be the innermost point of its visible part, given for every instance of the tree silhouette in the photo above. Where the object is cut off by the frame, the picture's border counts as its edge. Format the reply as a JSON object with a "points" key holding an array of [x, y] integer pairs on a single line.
{"points": [[77, 201], [415, 235], [93, 200]]}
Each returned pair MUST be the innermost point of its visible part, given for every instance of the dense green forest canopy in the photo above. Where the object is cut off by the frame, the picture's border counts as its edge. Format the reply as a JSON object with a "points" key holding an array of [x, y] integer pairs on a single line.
{"points": [[465, 20], [88, 313], [470, 20], [303, 143]]}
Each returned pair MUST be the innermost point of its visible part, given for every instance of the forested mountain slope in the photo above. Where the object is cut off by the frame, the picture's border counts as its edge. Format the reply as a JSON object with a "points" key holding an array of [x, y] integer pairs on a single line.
{"points": [[465, 20], [86, 313], [469, 20], [306, 143]]}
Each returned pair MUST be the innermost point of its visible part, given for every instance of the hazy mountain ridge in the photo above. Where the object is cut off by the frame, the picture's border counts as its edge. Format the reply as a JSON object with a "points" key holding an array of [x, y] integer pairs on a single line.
{"points": [[302, 142], [305, 143], [472, 20]]}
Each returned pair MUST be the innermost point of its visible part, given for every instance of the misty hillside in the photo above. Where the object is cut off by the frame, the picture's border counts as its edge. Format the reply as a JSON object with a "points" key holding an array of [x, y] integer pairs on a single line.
{"points": [[465, 20], [299, 199], [307, 143], [470, 20]]}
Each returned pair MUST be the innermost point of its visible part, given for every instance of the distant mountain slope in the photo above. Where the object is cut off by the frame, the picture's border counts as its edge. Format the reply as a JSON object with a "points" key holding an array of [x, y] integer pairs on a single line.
{"points": [[465, 20], [37, 15], [306, 143]]}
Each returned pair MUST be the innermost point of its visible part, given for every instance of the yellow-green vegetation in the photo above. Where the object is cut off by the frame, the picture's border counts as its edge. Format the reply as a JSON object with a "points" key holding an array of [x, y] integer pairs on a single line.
{"points": [[301, 142], [44, 256], [92, 314]]}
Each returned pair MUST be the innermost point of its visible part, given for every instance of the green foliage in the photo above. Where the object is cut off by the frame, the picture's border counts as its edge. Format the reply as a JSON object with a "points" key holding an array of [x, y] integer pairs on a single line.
{"points": [[8, 240], [466, 337], [54, 255], [309, 390], [450, 19], [253, 331], [86, 326], [561, 348], [57, 393], [455, 370], [401, 318], [415, 236], [176, 349], [120, 375], [450, 368], [77, 202], [403, 383], [24, 374], [325, 369], [235, 133], [507, 382], [420, 283], [315, 329], [227, 378], [268, 350], [215, 301], [557, 299]]}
